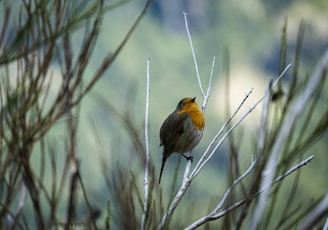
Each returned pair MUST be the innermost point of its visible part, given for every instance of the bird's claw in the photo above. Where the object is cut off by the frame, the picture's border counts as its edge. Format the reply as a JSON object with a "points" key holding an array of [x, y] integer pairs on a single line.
{"points": [[188, 158]]}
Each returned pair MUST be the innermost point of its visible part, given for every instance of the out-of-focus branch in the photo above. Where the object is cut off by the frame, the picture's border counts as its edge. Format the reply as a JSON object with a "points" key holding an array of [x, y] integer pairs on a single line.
{"points": [[111, 57], [282, 137], [29, 107], [12, 220]]}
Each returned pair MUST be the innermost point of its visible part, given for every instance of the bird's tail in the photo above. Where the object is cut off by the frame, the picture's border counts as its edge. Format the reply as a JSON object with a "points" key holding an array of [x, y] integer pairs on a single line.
{"points": [[160, 174]]}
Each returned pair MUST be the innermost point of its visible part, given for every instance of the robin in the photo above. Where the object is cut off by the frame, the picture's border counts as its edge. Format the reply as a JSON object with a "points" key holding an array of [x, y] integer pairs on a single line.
{"points": [[182, 130]]}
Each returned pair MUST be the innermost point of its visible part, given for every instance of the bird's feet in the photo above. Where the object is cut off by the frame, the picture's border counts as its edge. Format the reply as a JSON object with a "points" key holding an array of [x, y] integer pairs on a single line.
{"points": [[188, 158]]}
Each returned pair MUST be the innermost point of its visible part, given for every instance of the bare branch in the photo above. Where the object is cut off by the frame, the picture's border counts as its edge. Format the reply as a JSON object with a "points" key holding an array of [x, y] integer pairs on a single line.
{"points": [[146, 186], [293, 169], [112, 56], [194, 56], [213, 213], [208, 91]]}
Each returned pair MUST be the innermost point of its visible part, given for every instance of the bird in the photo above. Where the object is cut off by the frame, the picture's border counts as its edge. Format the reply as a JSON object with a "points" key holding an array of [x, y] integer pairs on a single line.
{"points": [[182, 130]]}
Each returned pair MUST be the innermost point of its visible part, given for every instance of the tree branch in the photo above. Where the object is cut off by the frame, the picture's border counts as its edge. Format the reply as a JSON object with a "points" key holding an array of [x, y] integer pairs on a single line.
{"points": [[146, 186]]}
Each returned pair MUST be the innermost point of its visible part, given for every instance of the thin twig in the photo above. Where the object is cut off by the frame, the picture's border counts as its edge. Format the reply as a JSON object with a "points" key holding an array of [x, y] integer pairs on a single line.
{"points": [[146, 186], [264, 119], [193, 55], [205, 157], [275, 82], [208, 91], [112, 56], [208, 217], [85, 196], [224, 198], [214, 215], [13, 219], [302, 163]]}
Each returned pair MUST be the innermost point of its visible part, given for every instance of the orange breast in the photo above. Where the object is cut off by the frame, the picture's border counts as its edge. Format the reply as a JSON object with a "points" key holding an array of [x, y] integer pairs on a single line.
{"points": [[195, 114], [198, 119]]}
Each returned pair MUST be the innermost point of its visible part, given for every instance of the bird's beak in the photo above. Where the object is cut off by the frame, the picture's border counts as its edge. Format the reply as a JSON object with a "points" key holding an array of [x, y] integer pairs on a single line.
{"points": [[194, 99]]}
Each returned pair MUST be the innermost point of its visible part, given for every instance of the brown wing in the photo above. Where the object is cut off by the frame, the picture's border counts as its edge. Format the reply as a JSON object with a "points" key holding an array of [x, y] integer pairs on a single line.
{"points": [[171, 130]]}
